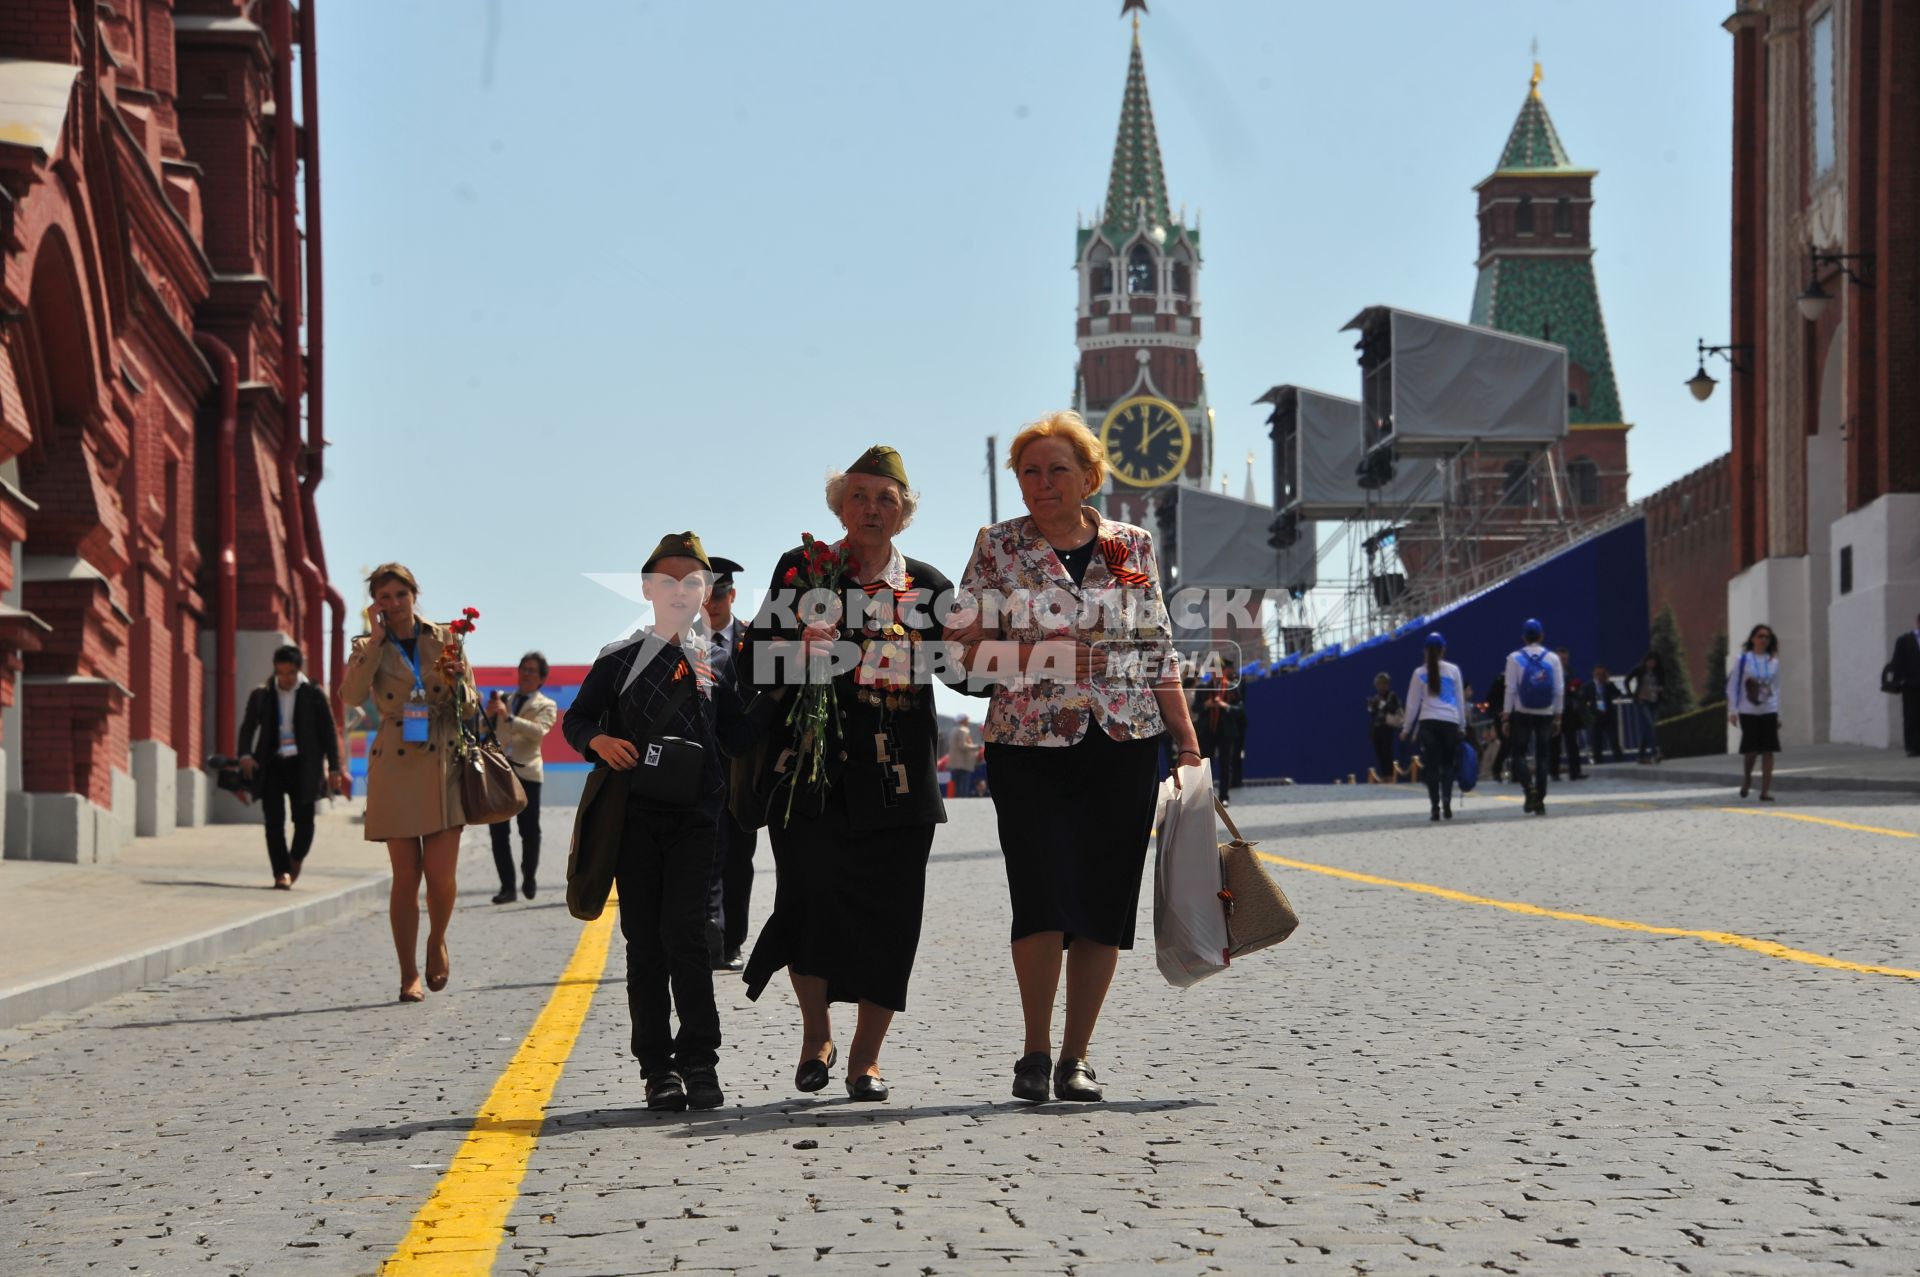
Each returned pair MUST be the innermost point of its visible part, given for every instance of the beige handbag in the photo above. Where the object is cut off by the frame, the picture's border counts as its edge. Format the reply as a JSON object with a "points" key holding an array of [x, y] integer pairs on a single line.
{"points": [[1258, 911], [489, 791]]}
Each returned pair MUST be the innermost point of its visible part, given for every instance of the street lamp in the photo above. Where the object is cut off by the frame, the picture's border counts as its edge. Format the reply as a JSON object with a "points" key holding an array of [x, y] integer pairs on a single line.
{"points": [[1702, 383], [1814, 299]]}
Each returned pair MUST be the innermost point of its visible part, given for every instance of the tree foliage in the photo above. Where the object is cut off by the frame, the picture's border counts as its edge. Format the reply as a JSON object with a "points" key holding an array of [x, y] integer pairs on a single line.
{"points": [[1676, 691]]}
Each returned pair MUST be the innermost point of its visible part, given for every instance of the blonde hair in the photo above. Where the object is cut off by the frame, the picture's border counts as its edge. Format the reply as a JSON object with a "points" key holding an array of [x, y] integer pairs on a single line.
{"points": [[1067, 426], [392, 572], [837, 492]]}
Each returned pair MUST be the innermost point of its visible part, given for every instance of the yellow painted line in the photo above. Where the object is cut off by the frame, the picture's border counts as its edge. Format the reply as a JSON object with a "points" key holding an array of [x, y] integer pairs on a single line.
{"points": [[1766, 948], [1822, 820], [458, 1230]]}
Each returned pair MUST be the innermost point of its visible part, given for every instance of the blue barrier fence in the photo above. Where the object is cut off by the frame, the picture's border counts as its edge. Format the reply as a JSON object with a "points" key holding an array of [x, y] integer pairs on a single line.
{"points": [[1311, 724]]}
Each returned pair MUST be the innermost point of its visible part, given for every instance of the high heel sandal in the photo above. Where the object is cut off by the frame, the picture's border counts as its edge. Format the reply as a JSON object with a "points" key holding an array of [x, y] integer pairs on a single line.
{"points": [[439, 982]]}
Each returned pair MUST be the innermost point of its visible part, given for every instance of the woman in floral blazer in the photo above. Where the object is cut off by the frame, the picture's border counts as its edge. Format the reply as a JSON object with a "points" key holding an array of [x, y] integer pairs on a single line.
{"points": [[1075, 641]]}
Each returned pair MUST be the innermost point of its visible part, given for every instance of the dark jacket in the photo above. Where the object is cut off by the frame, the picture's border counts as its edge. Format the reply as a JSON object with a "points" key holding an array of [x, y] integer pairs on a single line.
{"points": [[1906, 661], [902, 790], [313, 735]]}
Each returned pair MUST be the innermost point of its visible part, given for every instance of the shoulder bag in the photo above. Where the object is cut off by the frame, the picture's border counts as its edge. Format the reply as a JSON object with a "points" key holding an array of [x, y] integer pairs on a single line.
{"points": [[1258, 911]]}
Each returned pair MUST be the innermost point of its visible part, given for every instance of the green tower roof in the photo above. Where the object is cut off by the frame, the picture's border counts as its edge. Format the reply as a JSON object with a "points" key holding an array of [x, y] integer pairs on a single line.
{"points": [[1138, 178], [1534, 145]]}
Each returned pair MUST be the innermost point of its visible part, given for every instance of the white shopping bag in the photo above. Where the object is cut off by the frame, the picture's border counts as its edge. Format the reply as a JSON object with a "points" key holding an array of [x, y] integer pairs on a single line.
{"points": [[1189, 919]]}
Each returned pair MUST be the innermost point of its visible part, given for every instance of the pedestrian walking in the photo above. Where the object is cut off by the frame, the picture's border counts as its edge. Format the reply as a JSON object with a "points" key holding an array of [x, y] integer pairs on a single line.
{"points": [[1753, 704], [1216, 712], [1535, 699], [963, 755], [1573, 720], [1076, 753], [1603, 714], [1384, 720], [730, 889], [851, 855], [1437, 712], [656, 692], [1644, 686], [413, 784], [1903, 675], [287, 740], [520, 721]]}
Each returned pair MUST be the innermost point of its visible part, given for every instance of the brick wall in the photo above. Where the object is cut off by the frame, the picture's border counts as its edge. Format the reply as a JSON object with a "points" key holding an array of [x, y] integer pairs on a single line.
{"points": [[1690, 557]]}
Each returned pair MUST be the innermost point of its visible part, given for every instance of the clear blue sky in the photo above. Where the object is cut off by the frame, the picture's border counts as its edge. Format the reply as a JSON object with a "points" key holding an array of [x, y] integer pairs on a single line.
{"points": [[610, 268]]}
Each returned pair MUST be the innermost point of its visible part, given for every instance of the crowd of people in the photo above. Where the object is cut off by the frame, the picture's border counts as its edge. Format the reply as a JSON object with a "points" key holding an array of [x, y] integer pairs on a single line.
{"points": [[763, 725]]}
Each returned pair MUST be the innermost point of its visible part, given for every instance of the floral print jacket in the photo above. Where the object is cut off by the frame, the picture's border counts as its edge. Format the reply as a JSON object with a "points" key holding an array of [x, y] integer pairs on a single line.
{"points": [[1117, 607]]}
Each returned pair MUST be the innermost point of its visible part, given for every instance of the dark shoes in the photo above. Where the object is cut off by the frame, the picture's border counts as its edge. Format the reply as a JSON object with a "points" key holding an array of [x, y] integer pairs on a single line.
{"points": [[734, 962], [703, 1089], [1073, 1080], [1536, 805], [812, 1074], [1446, 811], [868, 1088], [666, 1093], [1030, 1077], [526, 887], [505, 897], [1434, 815]]}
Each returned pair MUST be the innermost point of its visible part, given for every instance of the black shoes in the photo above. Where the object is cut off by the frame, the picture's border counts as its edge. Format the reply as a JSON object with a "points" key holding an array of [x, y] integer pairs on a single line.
{"points": [[1435, 815], [1446, 811], [812, 1074], [1536, 805], [506, 896], [868, 1088], [733, 961], [526, 887], [666, 1093], [1030, 1077], [703, 1090], [1073, 1080]]}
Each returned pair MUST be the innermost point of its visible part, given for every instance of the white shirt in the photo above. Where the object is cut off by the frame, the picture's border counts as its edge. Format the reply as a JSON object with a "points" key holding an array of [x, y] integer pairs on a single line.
{"points": [[1444, 705], [288, 748], [1761, 668], [1516, 669]]}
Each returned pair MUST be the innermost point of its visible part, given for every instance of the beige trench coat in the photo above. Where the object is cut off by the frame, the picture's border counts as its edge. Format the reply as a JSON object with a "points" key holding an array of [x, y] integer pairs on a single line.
{"points": [[412, 790]]}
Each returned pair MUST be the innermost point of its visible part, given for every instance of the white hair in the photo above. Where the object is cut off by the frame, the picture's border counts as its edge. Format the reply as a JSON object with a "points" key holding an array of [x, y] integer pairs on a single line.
{"points": [[837, 492]]}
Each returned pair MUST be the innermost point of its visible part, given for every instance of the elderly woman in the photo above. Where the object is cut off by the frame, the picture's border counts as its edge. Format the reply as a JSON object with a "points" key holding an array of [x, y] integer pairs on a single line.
{"points": [[413, 787], [851, 851], [1073, 745]]}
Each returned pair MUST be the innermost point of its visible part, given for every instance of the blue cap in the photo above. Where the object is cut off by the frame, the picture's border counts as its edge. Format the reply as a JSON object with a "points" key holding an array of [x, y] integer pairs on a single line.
{"points": [[1531, 628], [1436, 639]]}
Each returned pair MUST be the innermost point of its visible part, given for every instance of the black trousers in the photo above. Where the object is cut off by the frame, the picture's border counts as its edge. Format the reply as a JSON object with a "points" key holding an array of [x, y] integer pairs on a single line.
{"points": [[529, 822], [1910, 719], [281, 787], [1606, 736], [730, 891], [1532, 740], [1568, 744], [1228, 748], [1383, 751], [666, 858], [1439, 752]]}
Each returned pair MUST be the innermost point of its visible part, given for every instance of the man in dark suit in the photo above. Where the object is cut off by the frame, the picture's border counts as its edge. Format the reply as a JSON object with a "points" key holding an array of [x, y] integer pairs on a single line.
{"points": [[287, 741], [732, 886], [1906, 672]]}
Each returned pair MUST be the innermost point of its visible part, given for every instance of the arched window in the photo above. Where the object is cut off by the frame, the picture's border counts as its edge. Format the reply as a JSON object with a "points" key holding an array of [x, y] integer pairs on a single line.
{"points": [[1516, 485], [1583, 481], [1523, 217], [1102, 284], [1140, 267], [1182, 279]]}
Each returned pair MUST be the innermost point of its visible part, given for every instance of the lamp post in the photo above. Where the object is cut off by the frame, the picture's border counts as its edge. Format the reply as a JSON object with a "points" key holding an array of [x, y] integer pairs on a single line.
{"points": [[1702, 382], [1813, 300]]}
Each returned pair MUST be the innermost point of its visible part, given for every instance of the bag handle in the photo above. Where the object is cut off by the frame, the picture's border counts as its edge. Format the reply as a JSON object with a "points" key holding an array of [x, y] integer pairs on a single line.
{"points": [[1221, 809]]}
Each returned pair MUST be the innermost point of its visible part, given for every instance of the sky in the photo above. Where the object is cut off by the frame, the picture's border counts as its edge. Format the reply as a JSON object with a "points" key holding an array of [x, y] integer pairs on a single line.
{"points": [[604, 270]]}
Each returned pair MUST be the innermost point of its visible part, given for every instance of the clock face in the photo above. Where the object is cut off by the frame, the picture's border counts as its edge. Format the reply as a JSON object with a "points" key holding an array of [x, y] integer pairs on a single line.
{"points": [[1147, 441]]}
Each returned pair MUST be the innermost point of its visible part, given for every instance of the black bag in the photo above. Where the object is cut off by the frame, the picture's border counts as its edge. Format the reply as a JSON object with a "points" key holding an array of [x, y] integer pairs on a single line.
{"points": [[1891, 682], [669, 770]]}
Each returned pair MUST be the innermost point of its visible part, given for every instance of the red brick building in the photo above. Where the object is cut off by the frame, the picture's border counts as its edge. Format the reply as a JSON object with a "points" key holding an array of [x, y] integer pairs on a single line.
{"points": [[157, 531], [1689, 555], [1826, 328]]}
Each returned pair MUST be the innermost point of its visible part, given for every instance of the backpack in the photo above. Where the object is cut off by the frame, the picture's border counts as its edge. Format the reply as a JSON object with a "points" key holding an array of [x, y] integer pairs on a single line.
{"points": [[1536, 681], [1466, 770]]}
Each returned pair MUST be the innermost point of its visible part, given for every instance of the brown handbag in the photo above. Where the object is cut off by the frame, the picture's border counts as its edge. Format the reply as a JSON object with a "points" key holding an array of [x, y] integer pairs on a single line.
{"points": [[489, 791], [1258, 911]]}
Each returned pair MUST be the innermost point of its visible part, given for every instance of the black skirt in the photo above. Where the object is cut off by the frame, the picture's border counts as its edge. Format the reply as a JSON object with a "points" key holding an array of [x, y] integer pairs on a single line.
{"points": [[1075, 821], [1759, 733], [846, 906]]}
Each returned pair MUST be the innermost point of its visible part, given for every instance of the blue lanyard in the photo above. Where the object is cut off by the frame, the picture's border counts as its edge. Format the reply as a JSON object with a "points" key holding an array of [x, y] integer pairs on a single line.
{"points": [[413, 661]]}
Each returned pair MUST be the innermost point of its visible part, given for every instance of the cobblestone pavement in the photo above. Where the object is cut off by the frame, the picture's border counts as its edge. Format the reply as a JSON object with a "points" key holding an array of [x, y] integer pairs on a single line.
{"points": [[1412, 1084]]}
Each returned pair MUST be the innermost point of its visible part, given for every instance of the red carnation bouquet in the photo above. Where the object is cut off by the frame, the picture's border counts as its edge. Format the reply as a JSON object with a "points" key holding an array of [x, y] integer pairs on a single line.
{"points": [[452, 654], [815, 716]]}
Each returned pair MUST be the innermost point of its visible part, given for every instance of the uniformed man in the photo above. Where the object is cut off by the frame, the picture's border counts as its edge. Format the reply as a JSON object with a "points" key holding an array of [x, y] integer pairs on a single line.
{"points": [[732, 887]]}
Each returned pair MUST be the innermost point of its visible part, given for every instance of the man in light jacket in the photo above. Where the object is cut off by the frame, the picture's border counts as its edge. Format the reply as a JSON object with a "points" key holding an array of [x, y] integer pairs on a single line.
{"points": [[1536, 696], [521, 721]]}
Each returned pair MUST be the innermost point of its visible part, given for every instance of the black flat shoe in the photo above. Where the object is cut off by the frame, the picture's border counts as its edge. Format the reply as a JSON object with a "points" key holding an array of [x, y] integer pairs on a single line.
{"points": [[812, 1074], [526, 887], [868, 1088], [1434, 815], [1073, 1080], [1030, 1077], [703, 1089], [1745, 790], [666, 1093], [506, 896], [1446, 812]]}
